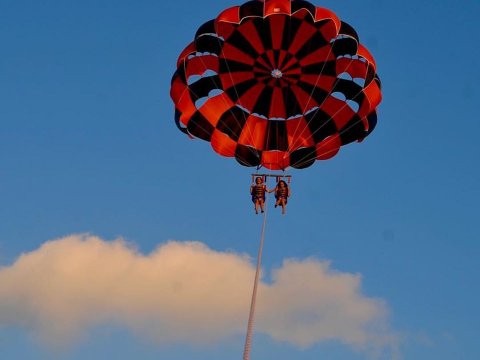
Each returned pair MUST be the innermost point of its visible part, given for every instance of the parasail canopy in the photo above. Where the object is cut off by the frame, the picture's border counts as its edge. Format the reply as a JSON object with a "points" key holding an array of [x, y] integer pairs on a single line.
{"points": [[276, 83]]}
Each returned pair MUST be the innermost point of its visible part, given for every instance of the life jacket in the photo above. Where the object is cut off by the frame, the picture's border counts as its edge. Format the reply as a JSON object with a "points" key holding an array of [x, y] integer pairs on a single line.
{"points": [[258, 191], [281, 193]]}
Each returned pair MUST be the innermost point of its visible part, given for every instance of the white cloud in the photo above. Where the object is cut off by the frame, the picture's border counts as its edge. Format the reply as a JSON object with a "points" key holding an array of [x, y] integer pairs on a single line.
{"points": [[183, 292]]}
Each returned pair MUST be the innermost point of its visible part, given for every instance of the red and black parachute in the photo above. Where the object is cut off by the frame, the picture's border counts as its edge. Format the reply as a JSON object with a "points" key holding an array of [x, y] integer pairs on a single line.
{"points": [[276, 83]]}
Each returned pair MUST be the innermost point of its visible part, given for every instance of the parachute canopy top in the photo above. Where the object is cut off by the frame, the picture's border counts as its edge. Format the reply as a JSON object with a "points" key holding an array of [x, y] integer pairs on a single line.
{"points": [[276, 83]]}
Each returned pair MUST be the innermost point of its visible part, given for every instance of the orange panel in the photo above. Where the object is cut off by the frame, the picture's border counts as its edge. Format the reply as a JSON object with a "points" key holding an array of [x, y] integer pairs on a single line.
{"points": [[182, 100], [199, 64], [373, 93], [355, 68], [329, 147], [366, 126], [365, 108], [338, 110], [253, 133], [215, 107], [299, 134], [363, 51], [222, 144], [177, 90], [187, 51], [275, 160]]}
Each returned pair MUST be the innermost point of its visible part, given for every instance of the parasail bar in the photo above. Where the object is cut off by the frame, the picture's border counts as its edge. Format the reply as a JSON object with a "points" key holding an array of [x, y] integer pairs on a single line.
{"points": [[272, 175]]}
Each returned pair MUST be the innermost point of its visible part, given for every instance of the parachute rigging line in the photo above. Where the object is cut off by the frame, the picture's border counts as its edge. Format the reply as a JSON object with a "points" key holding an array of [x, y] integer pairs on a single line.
{"points": [[248, 337]]}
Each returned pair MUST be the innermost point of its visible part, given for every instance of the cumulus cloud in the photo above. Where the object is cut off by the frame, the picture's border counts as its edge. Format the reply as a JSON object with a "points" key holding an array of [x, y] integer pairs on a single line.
{"points": [[183, 292]]}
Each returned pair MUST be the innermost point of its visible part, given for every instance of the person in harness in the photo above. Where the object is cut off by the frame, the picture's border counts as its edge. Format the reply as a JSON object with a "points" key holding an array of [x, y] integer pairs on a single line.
{"points": [[282, 193], [257, 190]]}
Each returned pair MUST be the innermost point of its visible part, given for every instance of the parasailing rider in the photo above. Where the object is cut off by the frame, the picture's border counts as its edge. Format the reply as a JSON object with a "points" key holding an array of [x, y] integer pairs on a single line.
{"points": [[257, 190]]}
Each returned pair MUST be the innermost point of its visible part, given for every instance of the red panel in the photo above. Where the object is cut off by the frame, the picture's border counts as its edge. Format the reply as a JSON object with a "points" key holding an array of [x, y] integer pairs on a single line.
{"points": [[374, 94], [355, 68], [363, 51], [366, 126], [290, 62], [232, 53], [302, 14], [323, 81], [248, 30], [304, 33], [230, 15], [329, 147], [183, 102], [270, 57], [187, 51], [177, 89], [281, 57], [304, 99], [330, 29], [249, 98], [322, 14], [364, 109], [232, 78], [299, 134], [272, 7], [338, 110], [263, 62], [224, 29], [199, 64], [277, 106], [322, 54], [293, 71], [275, 160], [222, 144], [215, 107], [277, 24], [253, 133]]}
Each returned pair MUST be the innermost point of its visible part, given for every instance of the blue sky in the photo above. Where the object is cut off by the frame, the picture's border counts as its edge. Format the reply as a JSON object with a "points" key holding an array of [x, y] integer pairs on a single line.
{"points": [[88, 145]]}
